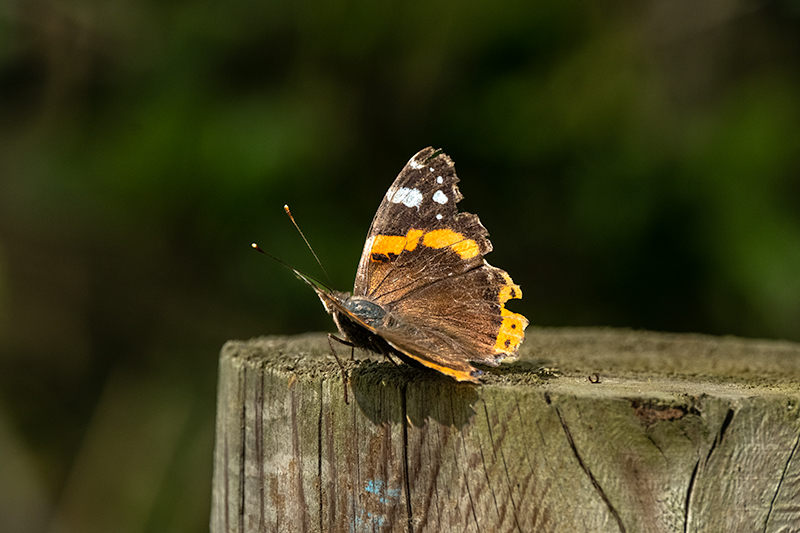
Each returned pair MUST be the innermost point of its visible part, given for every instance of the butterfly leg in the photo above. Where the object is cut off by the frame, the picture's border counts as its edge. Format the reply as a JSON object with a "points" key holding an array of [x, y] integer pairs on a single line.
{"points": [[388, 356], [331, 338], [352, 346]]}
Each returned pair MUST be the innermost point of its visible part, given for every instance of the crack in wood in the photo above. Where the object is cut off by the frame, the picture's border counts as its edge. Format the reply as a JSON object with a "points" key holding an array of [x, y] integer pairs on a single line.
{"points": [[464, 470], [432, 489], [657, 447], [505, 468], [242, 434], [259, 450], [524, 434], [407, 487], [355, 504], [688, 502], [319, 454], [690, 489], [780, 482], [226, 485], [301, 495], [485, 470], [721, 434], [588, 472]]}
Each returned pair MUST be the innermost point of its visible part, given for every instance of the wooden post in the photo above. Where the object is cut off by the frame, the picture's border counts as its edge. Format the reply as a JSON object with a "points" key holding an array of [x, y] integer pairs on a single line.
{"points": [[590, 430]]}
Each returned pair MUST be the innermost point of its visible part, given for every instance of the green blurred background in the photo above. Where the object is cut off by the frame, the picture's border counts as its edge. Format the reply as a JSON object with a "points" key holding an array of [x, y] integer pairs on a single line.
{"points": [[637, 165]]}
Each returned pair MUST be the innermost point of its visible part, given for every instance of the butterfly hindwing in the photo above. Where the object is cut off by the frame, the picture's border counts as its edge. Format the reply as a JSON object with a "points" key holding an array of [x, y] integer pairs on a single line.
{"points": [[459, 319]]}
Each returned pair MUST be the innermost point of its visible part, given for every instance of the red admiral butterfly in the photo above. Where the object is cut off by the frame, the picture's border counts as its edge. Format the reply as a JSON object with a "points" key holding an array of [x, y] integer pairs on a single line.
{"points": [[423, 290]]}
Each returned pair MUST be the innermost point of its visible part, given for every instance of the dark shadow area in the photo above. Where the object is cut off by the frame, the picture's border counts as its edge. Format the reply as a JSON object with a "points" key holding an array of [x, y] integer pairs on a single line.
{"points": [[425, 392], [430, 394]]}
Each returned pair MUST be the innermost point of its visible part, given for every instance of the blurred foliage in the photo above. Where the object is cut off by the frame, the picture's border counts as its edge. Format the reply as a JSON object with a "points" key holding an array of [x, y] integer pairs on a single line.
{"points": [[638, 165]]}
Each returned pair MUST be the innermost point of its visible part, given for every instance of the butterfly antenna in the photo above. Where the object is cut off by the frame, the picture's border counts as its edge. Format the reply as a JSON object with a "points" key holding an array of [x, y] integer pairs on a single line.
{"points": [[257, 248], [289, 214], [305, 277]]}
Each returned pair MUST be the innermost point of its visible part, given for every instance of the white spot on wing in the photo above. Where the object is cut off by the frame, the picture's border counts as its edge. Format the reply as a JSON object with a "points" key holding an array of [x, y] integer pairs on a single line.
{"points": [[407, 196], [431, 169], [439, 179], [414, 164], [439, 216], [439, 197]]}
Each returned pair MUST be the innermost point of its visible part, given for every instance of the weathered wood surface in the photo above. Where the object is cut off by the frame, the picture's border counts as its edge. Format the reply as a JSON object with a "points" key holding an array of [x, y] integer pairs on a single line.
{"points": [[682, 433]]}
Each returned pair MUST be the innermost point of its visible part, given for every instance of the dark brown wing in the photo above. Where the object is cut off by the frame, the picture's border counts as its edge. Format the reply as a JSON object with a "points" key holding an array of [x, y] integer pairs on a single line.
{"points": [[459, 319], [423, 262]]}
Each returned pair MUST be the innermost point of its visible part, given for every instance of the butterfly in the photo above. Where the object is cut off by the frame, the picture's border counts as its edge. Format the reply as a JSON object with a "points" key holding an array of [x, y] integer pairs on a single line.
{"points": [[423, 291]]}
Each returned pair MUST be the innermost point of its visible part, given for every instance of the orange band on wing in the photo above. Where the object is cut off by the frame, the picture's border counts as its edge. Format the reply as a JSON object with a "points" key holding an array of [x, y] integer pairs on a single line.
{"points": [[384, 246], [458, 375], [388, 244], [442, 238], [512, 328], [512, 332], [509, 291], [412, 238]]}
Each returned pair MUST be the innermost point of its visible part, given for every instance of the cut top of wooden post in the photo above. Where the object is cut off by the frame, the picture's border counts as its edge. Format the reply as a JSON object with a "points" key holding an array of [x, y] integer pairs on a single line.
{"points": [[550, 356]]}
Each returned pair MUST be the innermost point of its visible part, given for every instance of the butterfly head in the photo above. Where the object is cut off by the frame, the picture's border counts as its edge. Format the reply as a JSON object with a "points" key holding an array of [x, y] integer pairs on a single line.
{"points": [[367, 310]]}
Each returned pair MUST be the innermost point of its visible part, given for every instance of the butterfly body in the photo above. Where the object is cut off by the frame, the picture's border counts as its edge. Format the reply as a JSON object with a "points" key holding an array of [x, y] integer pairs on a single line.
{"points": [[423, 290]]}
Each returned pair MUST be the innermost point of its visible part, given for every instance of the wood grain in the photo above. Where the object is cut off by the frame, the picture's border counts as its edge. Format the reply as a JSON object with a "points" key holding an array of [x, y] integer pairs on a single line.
{"points": [[682, 433]]}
